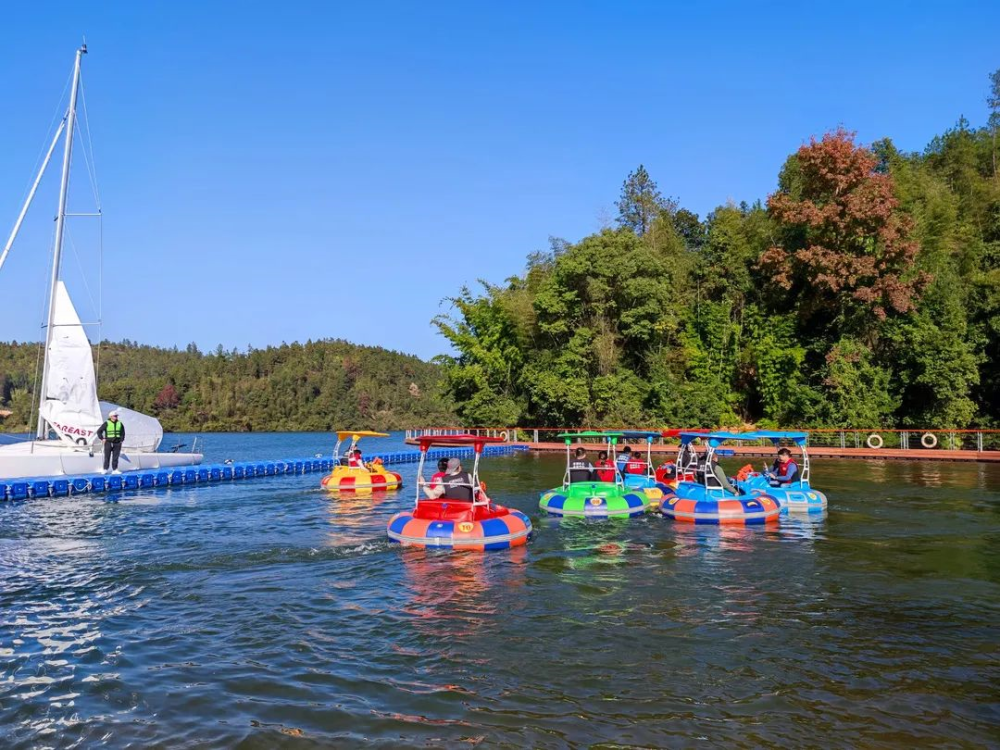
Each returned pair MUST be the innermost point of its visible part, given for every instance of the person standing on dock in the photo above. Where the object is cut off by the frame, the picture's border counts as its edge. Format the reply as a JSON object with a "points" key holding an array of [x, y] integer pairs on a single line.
{"points": [[112, 432]]}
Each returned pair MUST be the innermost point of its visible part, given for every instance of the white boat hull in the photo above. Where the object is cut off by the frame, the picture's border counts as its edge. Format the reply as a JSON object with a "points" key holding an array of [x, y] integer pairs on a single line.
{"points": [[53, 458]]}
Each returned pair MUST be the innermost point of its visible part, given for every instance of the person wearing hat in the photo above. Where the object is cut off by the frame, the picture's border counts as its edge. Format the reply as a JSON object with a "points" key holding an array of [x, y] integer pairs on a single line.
{"points": [[455, 485], [112, 432]]}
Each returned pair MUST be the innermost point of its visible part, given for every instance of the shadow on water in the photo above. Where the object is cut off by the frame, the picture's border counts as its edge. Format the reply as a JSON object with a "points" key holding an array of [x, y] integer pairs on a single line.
{"points": [[275, 614]]}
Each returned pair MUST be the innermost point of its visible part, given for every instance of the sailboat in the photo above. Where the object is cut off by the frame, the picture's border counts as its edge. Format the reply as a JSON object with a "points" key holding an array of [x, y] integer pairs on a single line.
{"points": [[69, 412]]}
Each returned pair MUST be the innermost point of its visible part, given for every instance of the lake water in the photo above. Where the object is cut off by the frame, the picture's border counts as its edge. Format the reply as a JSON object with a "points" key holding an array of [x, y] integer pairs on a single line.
{"points": [[267, 613]]}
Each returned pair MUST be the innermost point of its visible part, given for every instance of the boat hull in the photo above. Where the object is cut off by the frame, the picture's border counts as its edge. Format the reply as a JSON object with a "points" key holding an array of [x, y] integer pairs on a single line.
{"points": [[49, 458]]}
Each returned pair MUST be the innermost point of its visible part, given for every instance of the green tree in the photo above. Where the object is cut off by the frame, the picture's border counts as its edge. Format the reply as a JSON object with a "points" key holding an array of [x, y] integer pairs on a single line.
{"points": [[640, 202]]}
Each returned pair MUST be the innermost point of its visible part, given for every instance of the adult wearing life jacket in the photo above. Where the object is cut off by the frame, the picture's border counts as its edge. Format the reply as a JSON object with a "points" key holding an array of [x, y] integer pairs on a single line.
{"points": [[112, 432], [784, 470]]}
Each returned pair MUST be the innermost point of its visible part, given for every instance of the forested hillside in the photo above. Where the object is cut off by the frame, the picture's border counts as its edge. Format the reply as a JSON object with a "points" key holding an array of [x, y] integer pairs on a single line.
{"points": [[865, 291], [319, 385]]}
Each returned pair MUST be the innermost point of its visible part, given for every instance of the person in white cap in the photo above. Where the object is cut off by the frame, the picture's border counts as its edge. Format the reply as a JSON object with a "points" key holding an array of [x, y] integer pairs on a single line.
{"points": [[112, 433], [456, 484]]}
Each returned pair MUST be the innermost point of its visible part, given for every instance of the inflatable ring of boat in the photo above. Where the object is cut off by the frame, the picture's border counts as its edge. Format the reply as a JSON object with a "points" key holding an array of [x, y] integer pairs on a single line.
{"points": [[875, 441], [346, 479], [797, 500], [928, 440], [509, 530], [572, 504], [730, 511]]}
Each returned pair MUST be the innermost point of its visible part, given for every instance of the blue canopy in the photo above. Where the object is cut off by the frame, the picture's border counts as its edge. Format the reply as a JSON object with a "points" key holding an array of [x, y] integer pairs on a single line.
{"points": [[799, 438], [640, 435], [716, 438]]}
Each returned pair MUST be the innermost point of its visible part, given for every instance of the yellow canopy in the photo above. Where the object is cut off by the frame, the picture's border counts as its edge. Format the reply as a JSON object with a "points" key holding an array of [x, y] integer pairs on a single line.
{"points": [[358, 434]]}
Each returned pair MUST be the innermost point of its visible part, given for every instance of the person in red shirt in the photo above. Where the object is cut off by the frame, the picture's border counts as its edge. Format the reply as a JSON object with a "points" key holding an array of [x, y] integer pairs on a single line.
{"points": [[442, 469], [605, 469]]}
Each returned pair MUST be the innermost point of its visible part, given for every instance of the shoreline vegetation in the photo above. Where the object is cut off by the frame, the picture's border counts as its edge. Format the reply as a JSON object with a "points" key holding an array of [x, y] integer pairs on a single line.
{"points": [[317, 386], [864, 291]]}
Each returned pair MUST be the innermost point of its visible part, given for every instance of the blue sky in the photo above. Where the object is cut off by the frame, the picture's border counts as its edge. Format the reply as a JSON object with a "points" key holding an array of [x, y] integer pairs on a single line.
{"points": [[282, 171]]}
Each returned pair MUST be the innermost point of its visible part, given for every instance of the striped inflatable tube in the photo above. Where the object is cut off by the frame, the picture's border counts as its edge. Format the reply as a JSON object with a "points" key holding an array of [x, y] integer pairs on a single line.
{"points": [[574, 505], [735, 511], [384, 480], [502, 532]]}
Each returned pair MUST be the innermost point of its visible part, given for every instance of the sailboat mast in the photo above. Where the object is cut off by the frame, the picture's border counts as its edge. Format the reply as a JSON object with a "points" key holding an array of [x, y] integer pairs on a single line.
{"points": [[60, 224]]}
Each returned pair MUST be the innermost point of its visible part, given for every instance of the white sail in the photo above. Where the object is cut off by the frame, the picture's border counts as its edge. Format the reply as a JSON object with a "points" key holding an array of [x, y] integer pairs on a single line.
{"points": [[71, 407], [68, 402], [142, 432]]}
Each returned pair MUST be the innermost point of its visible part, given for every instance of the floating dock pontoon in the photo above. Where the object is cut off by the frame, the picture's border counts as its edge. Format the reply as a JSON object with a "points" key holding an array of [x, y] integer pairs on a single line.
{"points": [[38, 487]]}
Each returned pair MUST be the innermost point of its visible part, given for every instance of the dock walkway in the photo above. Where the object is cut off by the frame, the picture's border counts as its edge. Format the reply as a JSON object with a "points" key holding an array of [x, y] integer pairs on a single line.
{"points": [[817, 451], [205, 474]]}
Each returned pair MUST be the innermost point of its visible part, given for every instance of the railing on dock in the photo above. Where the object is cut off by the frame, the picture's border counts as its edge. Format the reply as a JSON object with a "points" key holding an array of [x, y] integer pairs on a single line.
{"points": [[873, 439], [37, 487]]}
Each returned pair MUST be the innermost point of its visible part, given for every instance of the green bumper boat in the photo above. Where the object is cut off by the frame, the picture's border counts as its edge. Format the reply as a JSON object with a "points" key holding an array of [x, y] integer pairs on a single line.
{"points": [[593, 491]]}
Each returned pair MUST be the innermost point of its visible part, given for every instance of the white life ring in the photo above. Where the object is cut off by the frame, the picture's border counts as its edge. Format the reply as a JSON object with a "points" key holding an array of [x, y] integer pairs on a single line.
{"points": [[875, 441], [928, 440], [503, 435]]}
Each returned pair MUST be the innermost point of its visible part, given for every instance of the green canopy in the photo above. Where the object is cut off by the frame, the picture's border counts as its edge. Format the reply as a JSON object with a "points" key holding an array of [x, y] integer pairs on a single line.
{"points": [[568, 436]]}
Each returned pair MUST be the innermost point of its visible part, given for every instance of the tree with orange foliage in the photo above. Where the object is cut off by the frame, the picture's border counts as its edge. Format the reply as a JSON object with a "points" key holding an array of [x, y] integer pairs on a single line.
{"points": [[846, 251]]}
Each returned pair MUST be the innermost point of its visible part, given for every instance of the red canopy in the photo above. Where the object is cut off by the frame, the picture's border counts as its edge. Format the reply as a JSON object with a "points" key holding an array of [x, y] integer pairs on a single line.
{"points": [[455, 441], [677, 433]]}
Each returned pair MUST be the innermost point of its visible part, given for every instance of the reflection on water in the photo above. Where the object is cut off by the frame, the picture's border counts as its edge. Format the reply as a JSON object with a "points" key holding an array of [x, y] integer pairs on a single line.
{"points": [[272, 613], [351, 514]]}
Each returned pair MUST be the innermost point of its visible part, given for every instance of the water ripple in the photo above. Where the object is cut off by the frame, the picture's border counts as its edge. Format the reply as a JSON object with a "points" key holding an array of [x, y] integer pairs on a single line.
{"points": [[271, 614]]}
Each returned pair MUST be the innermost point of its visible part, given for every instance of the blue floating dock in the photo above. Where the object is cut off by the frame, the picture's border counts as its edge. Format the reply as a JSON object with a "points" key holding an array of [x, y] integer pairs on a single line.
{"points": [[65, 486]]}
